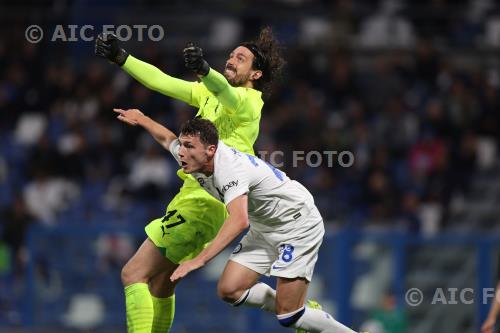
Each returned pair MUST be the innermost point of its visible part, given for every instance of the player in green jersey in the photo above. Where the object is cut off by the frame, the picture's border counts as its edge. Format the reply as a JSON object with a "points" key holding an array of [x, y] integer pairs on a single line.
{"points": [[233, 102]]}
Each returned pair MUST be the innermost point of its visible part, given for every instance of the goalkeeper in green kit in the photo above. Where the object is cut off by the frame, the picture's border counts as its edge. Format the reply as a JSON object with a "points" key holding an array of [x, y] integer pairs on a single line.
{"points": [[233, 102]]}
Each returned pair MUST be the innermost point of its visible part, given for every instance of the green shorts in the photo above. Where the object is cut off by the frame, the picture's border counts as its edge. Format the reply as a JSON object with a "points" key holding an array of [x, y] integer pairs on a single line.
{"points": [[191, 221]]}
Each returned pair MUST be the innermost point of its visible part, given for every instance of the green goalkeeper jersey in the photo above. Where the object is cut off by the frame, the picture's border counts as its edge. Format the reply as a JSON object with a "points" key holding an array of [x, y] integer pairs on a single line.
{"points": [[235, 111]]}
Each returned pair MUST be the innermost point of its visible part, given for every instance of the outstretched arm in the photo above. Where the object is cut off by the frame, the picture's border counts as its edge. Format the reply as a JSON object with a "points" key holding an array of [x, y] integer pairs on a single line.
{"points": [[135, 117], [234, 225], [107, 46], [154, 79]]}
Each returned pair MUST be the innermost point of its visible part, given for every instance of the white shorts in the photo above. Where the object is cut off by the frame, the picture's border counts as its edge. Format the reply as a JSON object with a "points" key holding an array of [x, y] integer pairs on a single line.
{"points": [[289, 254]]}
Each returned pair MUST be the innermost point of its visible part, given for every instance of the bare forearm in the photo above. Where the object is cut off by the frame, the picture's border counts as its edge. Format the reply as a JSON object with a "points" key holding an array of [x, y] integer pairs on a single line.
{"points": [[231, 228], [160, 133], [495, 306]]}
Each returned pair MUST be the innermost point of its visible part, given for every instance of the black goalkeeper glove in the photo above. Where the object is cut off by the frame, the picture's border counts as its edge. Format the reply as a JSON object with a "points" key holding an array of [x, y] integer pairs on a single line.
{"points": [[193, 58], [106, 46]]}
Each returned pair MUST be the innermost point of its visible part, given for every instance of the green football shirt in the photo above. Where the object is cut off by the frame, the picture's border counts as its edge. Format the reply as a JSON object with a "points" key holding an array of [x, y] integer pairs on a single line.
{"points": [[235, 111]]}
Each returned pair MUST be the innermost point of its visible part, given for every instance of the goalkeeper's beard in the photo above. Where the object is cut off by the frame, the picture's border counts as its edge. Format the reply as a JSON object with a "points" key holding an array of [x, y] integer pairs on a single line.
{"points": [[238, 80]]}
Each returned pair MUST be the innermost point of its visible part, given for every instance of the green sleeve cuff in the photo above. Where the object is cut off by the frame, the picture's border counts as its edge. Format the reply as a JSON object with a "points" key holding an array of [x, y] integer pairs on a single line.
{"points": [[218, 85]]}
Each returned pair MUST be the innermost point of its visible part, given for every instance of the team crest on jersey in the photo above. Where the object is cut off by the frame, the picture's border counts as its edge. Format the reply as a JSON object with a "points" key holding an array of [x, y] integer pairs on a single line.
{"points": [[237, 248]]}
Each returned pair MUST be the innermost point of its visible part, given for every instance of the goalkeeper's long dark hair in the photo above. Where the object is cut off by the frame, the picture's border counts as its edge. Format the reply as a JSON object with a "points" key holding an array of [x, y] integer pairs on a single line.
{"points": [[267, 52]]}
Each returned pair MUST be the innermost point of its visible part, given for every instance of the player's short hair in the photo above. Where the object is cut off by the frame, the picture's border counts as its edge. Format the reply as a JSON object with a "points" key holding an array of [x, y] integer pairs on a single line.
{"points": [[203, 128], [267, 52]]}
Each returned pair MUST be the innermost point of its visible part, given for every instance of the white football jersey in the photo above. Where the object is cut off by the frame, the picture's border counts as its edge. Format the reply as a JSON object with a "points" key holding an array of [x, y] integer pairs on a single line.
{"points": [[274, 200]]}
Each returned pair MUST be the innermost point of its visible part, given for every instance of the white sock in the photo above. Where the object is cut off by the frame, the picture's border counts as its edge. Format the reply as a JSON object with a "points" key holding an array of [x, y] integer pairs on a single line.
{"points": [[312, 320], [318, 321], [260, 296]]}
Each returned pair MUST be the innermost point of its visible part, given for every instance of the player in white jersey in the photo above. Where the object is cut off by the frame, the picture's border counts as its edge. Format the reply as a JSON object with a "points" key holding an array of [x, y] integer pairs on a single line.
{"points": [[286, 227]]}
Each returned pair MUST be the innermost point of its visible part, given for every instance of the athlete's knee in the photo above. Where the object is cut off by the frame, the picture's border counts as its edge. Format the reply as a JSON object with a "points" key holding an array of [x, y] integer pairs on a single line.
{"points": [[126, 276], [130, 275], [228, 292], [287, 319]]}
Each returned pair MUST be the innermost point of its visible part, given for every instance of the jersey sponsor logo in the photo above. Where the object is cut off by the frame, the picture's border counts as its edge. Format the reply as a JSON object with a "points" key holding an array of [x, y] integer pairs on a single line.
{"points": [[226, 187], [237, 248]]}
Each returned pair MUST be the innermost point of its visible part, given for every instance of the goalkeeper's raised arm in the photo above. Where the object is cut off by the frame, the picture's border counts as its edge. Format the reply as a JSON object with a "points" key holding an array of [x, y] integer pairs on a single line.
{"points": [[107, 46], [249, 66]]}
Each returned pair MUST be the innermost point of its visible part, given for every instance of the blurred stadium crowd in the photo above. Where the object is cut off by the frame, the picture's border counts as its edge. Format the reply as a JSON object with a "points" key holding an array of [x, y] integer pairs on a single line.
{"points": [[409, 87]]}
